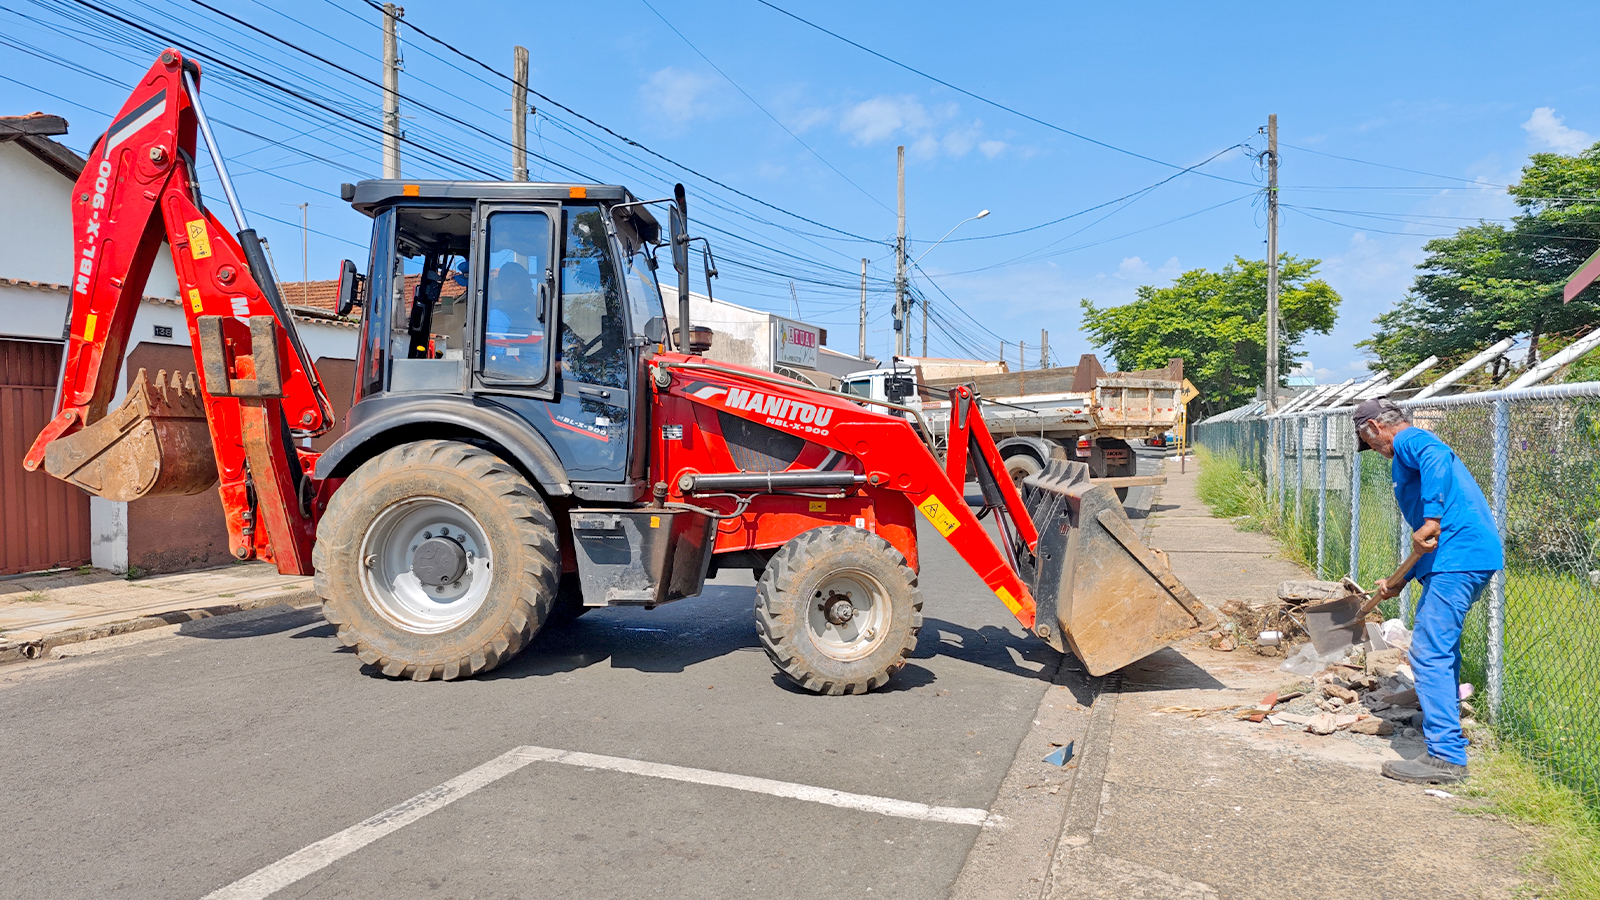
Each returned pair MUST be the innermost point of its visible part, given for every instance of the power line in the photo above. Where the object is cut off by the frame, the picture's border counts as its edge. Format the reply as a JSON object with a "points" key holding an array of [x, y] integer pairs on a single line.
{"points": [[978, 97], [627, 140], [1379, 165], [763, 109]]}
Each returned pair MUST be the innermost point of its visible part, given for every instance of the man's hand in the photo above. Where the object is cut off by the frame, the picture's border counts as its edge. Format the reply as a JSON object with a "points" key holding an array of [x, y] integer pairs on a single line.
{"points": [[1384, 591], [1426, 539]]}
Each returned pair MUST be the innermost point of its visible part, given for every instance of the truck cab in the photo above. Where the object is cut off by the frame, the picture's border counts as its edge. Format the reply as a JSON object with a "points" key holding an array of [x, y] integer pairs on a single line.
{"points": [[509, 303]]}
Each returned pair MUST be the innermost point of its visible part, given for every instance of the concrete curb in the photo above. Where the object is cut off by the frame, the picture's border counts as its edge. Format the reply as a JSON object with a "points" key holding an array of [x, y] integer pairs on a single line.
{"points": [[22, 651]]}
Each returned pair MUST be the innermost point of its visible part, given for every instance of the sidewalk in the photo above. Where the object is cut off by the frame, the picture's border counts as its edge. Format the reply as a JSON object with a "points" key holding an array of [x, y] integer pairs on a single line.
{"points": [[1172, 805], [39, 613]]}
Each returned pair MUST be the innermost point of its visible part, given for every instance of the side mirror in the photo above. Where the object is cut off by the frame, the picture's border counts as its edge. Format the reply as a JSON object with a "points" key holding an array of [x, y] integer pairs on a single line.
{"points": [[711, 269], [655, 330], [678, 234], [899, 387], [350, 288]]}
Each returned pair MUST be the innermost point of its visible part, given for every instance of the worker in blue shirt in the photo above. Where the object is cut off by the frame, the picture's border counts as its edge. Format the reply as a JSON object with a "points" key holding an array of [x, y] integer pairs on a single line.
{"points": [[1454, 530]]}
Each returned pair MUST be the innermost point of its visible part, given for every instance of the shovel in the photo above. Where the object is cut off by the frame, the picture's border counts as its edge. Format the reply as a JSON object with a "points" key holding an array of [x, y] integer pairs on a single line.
{"points": [[1341, 623]]}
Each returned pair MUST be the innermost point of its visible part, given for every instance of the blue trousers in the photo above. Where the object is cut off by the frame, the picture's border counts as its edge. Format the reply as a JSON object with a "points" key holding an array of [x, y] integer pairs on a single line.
{"points": [[1436, 657]]}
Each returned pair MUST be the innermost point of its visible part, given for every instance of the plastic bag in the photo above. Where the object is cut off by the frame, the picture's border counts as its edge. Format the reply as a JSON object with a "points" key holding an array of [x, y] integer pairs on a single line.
{"points": [[1304, 660], [1396, 634]]}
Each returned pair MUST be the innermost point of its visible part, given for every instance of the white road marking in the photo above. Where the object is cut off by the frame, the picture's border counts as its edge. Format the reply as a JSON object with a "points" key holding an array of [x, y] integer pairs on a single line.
{"points": [[270, 879]]}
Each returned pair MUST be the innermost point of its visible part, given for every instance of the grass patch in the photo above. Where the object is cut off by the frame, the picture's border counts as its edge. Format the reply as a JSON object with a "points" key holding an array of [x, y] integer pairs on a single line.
{"points": [[1569, 845], [35, 597], [1230, 491]]}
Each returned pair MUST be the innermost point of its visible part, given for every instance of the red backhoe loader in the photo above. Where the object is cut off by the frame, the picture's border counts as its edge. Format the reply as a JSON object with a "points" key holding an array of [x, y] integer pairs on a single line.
{"points": [[525, 444]]}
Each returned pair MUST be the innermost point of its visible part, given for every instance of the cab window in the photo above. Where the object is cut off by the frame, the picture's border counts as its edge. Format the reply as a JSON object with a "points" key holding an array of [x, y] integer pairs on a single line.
{"points": [[594, 340], [517, 265]]}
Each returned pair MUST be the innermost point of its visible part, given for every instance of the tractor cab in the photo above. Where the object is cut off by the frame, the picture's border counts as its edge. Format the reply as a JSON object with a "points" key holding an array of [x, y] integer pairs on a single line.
{"points": [[539, 299]]}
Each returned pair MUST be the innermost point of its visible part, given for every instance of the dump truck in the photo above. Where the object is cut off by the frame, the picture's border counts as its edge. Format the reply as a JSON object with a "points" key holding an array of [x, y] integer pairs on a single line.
{"points": [[1080, 413], [527, 444]]}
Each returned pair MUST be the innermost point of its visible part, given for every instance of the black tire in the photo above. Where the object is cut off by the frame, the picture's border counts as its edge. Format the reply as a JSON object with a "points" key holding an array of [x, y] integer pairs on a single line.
{"points": [[1021, 466], [510, 579], [790, 602]]}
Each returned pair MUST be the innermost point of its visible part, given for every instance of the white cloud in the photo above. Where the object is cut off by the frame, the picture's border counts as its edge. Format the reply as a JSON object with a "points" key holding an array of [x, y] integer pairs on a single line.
{"points": [[1546, 130], [678, 96], [926, 131]]}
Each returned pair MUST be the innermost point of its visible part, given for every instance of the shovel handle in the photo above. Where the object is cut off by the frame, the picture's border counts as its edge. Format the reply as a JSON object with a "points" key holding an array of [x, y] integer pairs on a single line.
{"points": [[1405, 568]]}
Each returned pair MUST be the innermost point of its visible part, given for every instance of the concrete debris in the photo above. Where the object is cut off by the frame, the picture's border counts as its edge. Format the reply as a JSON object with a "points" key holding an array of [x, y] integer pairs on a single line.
{"points": [[1374, 726], [1324, 723], [1340, 693], [1311, 590], [1442, 795]]}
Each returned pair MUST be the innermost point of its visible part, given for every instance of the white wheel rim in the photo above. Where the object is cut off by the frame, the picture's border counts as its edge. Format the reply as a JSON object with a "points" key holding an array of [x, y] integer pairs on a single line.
{"points": [[386, 555], [869, 615]]}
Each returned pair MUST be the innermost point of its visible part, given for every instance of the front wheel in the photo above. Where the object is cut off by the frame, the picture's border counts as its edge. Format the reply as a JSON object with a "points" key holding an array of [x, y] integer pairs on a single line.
{"points": [[838, 610], [436, 560]]}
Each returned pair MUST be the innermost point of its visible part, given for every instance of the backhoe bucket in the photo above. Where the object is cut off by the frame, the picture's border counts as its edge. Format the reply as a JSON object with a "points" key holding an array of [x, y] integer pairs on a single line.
{"points": [[1098, 589], [155, 443]]}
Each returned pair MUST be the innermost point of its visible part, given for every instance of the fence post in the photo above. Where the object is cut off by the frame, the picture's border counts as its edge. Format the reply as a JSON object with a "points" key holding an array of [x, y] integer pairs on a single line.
{"points": [[1322, 492], [1354, 457], [1497, 586], [1407, 607], [1299, 470]]}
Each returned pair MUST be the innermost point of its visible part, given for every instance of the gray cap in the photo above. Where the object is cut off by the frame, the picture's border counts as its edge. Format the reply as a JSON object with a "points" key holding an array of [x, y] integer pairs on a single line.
{"points": [[1366, 411]]}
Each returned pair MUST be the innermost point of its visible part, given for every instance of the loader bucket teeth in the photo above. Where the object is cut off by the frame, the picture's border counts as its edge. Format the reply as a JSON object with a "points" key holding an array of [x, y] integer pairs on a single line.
{"points": [[155, 443], [1099, 590]]}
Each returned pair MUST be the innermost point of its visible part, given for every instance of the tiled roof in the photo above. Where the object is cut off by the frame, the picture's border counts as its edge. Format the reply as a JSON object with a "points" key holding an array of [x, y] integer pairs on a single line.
{"points": [[324, 295], [311, 314], [32, 132]]}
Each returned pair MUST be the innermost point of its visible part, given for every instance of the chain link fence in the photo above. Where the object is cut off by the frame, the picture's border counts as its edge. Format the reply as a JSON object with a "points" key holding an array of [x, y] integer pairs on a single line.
{"points": [[1532, 643]]}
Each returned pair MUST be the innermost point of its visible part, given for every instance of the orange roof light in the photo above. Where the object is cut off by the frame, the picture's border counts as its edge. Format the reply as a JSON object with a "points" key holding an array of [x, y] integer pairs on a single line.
{"points": [[410, 190], [578, 193]]}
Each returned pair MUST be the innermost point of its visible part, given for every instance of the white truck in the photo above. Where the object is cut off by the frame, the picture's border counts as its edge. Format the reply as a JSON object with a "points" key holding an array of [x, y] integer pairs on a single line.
{"points": [[1076, 412]]}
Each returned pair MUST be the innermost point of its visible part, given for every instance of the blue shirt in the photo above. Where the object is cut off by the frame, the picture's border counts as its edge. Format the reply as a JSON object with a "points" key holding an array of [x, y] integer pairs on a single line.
{"points": [[1430, 482]]}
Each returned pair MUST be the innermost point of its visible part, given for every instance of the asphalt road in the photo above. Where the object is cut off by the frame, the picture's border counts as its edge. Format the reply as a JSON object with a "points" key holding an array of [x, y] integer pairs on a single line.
{"points": [[178, 766]]}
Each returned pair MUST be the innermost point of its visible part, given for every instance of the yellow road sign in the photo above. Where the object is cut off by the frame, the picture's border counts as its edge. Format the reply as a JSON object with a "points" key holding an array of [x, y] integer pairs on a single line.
{"points": [[1189, 392]]}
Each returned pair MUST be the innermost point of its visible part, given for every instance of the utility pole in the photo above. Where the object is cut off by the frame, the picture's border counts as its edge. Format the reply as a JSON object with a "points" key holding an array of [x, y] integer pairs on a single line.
{"points": [[924, 324], [1272, 262], [863, 309], [1022, 356], [519, 114], [1002, 351], [305, 250], [900, 256], [1044, 349], [391, 90]]}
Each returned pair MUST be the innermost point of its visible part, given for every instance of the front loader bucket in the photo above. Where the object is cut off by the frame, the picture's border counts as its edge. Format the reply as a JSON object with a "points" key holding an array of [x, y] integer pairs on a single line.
{"points": [[155, 443], [1099, 590]]}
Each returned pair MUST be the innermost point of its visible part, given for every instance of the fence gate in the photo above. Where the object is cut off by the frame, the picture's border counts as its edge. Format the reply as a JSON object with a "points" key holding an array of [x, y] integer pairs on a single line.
{"points": [[44, 522]]}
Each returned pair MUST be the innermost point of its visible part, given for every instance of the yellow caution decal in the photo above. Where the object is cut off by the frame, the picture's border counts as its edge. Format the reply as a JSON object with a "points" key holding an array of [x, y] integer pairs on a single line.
{"points": [[655, 521], [819, 506], [88, 327], [1010, 601], [199, 241], [194, 300], [939, 515]]}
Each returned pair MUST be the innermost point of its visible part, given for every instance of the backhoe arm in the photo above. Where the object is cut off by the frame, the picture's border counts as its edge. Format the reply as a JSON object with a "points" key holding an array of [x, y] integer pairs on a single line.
{"points": [[138, 187]]}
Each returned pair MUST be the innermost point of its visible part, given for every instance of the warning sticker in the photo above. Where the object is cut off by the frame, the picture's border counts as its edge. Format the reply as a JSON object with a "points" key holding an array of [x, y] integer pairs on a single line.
{"points": [[1010, 601], [819, 506], [939, 515], [88, 327], [194, 300], [199, 241]]}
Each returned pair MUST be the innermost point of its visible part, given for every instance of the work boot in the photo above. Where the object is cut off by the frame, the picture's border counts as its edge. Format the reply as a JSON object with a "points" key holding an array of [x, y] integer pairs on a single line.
{"points": [[1425, 769]]}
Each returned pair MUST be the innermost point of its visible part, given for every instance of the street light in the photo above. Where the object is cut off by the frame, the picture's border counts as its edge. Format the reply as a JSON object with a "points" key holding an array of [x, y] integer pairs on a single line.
{"points": [[981, 214]]}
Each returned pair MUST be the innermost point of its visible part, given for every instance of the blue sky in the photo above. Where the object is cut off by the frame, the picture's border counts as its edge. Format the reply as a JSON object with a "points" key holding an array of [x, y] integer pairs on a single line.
{"points": [[808, 124]]}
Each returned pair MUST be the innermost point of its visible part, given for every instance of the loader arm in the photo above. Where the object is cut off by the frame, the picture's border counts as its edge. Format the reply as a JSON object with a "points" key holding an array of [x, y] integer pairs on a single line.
{"points": [[253, 379], [1068, 566]]}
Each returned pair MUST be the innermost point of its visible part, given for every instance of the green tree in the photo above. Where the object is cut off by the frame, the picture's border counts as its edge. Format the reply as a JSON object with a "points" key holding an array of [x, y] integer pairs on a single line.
{"points": [[1489, 281], [1216, 322]]}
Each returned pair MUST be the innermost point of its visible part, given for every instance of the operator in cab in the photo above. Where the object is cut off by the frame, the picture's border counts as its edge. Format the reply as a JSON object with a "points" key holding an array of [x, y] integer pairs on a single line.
{"points": [[1454, 530]]}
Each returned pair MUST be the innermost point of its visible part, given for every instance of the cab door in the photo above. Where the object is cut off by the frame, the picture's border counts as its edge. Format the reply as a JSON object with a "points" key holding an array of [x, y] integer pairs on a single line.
{"points": [[514, 307], [589, 419]]}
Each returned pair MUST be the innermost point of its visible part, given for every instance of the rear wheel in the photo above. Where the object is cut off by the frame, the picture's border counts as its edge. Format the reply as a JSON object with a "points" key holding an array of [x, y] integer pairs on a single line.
{"points": [[1021, 466], [436, 560], [838, 610]]}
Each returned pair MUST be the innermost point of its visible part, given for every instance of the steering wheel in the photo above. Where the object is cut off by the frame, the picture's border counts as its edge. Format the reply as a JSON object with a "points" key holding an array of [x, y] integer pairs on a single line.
{"points": [[570, 336]]}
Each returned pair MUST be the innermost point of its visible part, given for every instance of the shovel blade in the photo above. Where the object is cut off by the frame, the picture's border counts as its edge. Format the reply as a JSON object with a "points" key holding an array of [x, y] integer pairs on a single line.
{"points": [[155, 443], [1099, 591]]}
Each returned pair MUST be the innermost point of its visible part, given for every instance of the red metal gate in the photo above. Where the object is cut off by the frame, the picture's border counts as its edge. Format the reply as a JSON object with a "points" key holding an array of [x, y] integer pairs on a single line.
{"points": [[43, 522]]}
